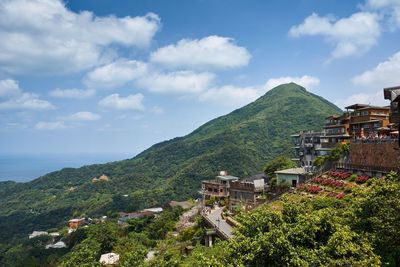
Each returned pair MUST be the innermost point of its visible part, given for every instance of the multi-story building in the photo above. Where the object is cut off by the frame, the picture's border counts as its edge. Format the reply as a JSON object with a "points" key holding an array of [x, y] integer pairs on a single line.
{"points": [[219, 187], [337, 130], [365, 120], [247, 192], [308, 146]]}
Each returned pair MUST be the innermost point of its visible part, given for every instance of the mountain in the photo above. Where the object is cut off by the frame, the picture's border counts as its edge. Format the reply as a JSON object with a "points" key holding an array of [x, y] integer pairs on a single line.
{"points": [[240, 142]]}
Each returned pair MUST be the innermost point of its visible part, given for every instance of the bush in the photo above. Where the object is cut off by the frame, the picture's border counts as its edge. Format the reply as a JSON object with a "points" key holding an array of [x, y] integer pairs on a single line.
{"points": [[353, 178]]}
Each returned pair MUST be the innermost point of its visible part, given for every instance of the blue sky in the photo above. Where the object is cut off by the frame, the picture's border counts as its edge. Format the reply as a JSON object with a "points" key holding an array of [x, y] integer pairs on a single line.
{"points": [[118, 76]]}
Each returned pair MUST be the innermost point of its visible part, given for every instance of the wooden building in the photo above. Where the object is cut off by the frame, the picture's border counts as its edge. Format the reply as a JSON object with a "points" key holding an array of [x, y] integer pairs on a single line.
{"points": [[337, 130], [365, 120]]}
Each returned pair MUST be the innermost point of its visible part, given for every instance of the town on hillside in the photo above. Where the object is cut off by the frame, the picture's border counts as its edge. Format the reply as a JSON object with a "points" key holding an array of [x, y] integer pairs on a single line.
{"points": [[352, 148], [357, 145]]}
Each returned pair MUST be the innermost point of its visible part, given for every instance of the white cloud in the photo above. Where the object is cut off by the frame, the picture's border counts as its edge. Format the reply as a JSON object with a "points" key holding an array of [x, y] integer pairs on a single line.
{"points": [[209, 52], [43, 36], [389, 8], [385, 74], [16, 99], [115, 74], [350, 36], [9, 87], [374, 98], [306, 81], [131, 102], [43, 125], [82, 116], [72, 93], [157, 110], [176, 82], [232, 96]]}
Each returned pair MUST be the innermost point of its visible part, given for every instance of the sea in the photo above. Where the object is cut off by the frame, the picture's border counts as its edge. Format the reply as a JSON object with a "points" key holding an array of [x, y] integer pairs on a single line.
{"points": [[26, 167]]}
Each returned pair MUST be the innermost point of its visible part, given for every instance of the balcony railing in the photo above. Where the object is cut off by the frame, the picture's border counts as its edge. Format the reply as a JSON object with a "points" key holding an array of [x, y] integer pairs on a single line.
{"points": [[366, 168], [374, 141]]}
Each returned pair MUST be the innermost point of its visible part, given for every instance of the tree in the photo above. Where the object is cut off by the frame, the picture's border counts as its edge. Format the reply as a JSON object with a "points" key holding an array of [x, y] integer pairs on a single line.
{"points": [[279, 163]]}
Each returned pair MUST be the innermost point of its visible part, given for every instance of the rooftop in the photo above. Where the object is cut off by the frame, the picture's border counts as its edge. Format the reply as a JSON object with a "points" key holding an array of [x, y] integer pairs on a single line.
{"points": [[356, 106], [292, 171], [227, 177], [392, 93]]}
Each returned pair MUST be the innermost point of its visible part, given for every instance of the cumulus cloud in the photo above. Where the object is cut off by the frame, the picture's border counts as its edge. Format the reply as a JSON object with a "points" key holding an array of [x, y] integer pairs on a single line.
{"points": [[232, 96], [131, 102], [9, 87], [354, 35], [373, 98], [82, 116], [180, 82], [115, 74], [44, 125], [16, 99], [389, 9], [49, 38], [72, 93], [385, 74], [306, 81], [210, 52]]}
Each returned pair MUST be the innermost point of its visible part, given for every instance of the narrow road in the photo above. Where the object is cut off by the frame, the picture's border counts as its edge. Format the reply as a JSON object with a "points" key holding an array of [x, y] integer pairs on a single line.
{"points": [[220, 224]]}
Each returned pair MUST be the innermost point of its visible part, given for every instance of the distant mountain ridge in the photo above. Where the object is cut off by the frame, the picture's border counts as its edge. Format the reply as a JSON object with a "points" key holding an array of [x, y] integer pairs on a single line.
{"points": [[240, 142]]}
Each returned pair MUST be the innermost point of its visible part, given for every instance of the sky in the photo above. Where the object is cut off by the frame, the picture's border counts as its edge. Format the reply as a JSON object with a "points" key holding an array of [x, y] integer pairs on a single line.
{"points": [[97, 76]]}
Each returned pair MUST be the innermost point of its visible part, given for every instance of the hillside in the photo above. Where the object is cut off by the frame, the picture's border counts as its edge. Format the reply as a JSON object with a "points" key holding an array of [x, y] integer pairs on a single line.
{"points": [[241, 142]]}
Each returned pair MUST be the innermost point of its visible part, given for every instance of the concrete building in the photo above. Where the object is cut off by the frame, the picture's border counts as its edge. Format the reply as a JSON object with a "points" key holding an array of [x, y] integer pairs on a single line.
{"points": [[292, 176], [218, 188], [308, 146], [246, 192]]}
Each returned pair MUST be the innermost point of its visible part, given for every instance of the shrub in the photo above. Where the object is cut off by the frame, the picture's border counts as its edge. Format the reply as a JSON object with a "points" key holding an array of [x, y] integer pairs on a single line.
{"points": [[353, 178]]}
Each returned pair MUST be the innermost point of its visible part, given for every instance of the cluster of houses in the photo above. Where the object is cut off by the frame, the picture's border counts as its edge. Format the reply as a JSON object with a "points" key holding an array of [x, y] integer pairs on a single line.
{"points": [[371, 131], [248, 192]]}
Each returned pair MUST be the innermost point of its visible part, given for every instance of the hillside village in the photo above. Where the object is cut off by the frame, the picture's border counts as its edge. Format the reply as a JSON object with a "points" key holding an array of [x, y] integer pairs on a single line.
{"points": [[353, 148]]}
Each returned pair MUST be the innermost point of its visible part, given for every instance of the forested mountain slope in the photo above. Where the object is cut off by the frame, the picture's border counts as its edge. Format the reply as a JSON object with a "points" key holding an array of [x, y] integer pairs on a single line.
{"points": [[240, 142]]}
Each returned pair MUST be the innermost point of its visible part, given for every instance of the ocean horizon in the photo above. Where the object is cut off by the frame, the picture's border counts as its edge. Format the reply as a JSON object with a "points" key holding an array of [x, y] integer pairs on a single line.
{"points": [[27, 167]]}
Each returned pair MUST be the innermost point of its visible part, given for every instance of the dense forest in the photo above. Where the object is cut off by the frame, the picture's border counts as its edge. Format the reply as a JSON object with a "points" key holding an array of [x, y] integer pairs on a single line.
{"points": [[240, 142], [300, 229]]}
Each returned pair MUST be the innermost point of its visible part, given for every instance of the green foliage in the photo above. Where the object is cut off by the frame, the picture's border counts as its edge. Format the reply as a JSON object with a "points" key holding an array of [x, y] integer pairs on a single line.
{"points": [[85, 254], [339, 150], [277, 164], [377, 215], [320, 160]]}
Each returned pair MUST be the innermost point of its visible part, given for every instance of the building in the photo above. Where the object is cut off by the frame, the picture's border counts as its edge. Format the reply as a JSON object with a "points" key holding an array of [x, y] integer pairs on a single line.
{"points": [[38, 233], [58, 245], [125, 216], [247, 192], [393, 94], [292, 176], [77, 222], [308, 146], [218, 188], [109, 259], [336, 130], [365, 120]]}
